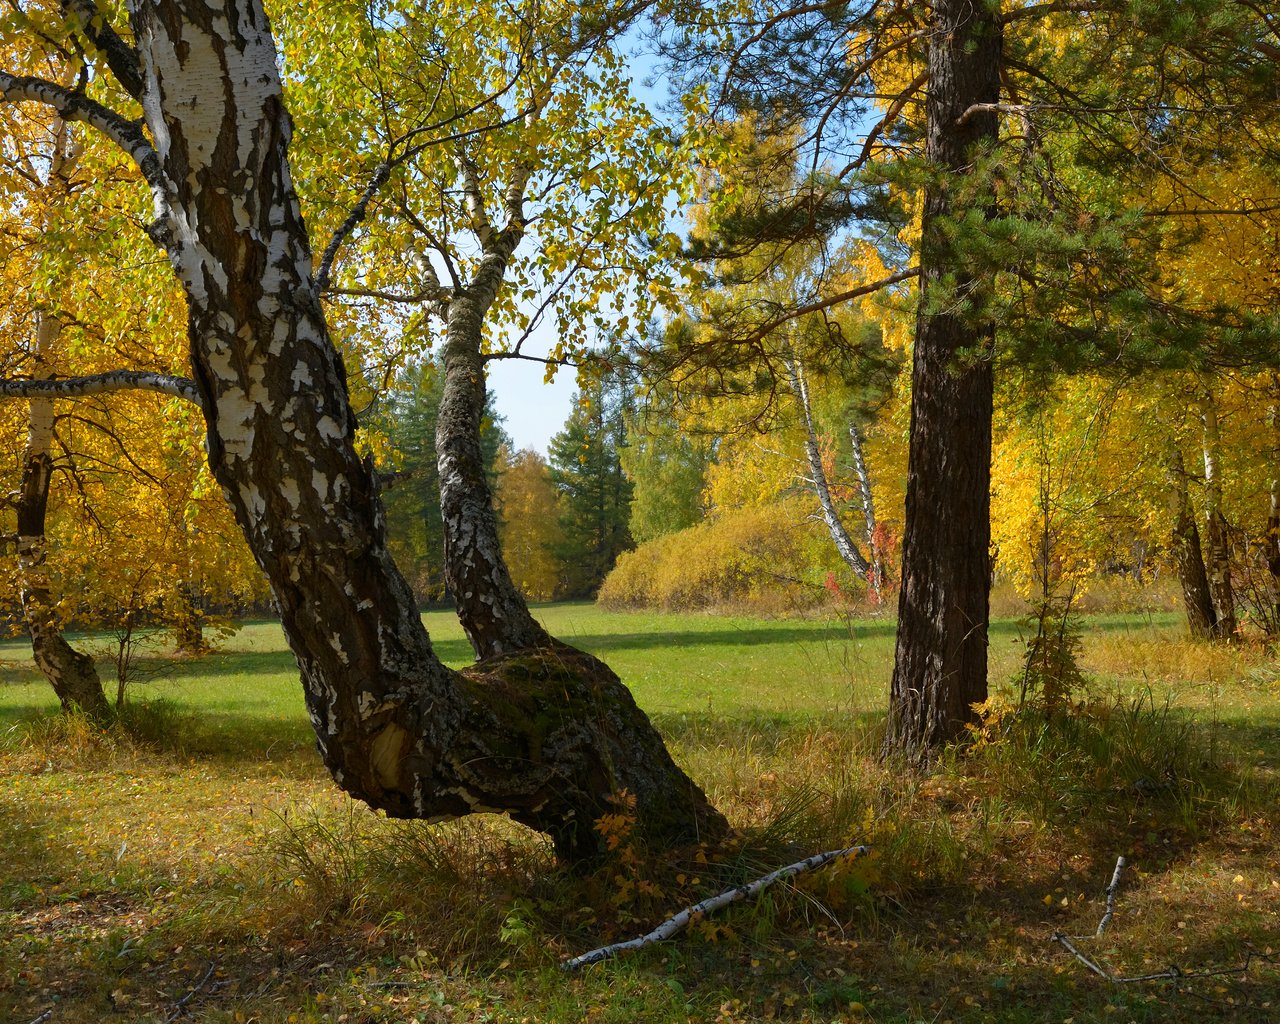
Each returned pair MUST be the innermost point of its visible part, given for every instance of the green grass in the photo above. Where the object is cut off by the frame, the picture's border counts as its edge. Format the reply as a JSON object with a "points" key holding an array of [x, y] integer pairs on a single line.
{"points": [[206, 833]]}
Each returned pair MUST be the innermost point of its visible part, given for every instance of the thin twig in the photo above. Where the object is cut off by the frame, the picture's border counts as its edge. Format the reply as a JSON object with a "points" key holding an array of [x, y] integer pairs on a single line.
{"points": [[180, 1007], [682, 920]]}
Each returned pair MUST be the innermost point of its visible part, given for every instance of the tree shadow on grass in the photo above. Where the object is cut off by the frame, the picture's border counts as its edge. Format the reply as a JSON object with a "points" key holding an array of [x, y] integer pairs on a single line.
{"points": [[602, 643]]}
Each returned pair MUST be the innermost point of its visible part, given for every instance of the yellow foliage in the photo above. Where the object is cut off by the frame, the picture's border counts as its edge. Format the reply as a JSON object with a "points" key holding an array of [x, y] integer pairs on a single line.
{"points": [[528, 508], [772, 553]]}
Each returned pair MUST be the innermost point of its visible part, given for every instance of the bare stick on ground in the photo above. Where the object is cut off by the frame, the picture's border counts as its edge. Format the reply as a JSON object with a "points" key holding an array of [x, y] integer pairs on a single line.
{"points": [[1111, 897], [686, 917], [180, 1007], [1170, 973]]}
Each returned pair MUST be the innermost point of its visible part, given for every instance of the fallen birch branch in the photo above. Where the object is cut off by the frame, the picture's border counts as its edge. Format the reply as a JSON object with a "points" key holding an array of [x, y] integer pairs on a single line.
{"points": [[686, 917], [1111, 897], [1170, 973]]}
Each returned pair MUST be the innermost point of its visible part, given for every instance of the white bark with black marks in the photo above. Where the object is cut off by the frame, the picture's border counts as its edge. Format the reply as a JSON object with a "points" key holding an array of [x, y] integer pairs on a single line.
{"points": [[548, 738], [845, 545]]}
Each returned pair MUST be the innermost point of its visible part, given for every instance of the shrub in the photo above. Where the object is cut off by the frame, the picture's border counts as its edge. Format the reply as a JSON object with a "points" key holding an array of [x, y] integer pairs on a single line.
{"points": [[768, 555]]}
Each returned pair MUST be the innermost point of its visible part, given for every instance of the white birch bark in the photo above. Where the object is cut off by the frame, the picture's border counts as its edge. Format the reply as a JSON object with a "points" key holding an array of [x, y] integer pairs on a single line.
{"points": [[546, 739], [1219, 560], [845, 545], [875, 578]]}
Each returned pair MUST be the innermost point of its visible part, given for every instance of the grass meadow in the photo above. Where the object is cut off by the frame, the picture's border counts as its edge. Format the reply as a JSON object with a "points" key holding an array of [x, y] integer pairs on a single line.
{"points": [[196, 863]]}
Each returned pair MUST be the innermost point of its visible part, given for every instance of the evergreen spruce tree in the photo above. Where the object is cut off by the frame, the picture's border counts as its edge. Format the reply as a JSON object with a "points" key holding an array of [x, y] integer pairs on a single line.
{"points": [[586, 465], [411, 492]]}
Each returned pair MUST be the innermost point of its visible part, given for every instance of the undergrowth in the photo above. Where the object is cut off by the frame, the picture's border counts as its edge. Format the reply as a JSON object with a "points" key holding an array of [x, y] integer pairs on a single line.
{"points": [[136, 860], [71, 741]]}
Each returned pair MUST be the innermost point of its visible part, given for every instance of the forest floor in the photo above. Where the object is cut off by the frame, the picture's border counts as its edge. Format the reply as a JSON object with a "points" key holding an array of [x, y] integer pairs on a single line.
{"points": [[197, 864]]}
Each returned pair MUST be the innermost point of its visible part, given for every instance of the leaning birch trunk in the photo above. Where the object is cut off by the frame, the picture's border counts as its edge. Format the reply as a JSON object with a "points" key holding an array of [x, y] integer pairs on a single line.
{"points": [[1188, 559], [845, 545], [492, 610], [1219, 560], [541, 739], [72, 675], [875, 579]]}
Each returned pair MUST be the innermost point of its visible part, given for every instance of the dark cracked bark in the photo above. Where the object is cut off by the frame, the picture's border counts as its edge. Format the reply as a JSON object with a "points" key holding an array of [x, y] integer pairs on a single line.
{"points": [[940, 665], [395, 727], [1188, 557], [492, 610]]}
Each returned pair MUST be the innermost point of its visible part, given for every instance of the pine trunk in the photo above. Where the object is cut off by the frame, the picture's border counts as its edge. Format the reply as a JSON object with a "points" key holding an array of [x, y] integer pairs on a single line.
{"points": [[72, 675], [546, 739], [940, 666]]}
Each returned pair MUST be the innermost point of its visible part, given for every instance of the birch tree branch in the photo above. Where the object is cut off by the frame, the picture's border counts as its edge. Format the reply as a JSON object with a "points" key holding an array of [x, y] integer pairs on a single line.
{"points": [[1171, 973], [418, 298], [121, 58], [75, 106], [682, 920], [1111, 897], [101, 383], [71, 105], [358, 213]]}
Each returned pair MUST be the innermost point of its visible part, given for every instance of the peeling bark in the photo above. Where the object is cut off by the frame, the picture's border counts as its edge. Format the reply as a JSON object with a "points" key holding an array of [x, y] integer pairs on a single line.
{"points": [[395, 727], [940, 664], [492, 610]]}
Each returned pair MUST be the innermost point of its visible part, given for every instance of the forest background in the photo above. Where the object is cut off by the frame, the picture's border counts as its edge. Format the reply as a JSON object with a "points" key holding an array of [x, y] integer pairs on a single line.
{"points": [[710, 484], [897, 304]]}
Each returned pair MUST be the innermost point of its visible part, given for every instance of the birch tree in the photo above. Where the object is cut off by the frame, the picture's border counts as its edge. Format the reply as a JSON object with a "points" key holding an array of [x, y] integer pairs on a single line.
{"points": [[522, 210], [547, 740]]}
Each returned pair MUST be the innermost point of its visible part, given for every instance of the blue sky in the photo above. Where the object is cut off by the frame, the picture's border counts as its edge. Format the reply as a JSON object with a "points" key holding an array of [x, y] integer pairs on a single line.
{"points": [[532, 411]]}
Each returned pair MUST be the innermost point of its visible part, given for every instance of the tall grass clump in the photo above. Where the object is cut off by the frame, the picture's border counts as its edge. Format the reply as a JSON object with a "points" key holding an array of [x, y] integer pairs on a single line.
{"points": [[450, 887], [1101, 759], [71, 741]]}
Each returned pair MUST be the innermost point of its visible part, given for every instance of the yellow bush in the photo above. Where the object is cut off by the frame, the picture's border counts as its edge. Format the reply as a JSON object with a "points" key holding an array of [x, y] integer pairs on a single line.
{"points": [[768, 555]]}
